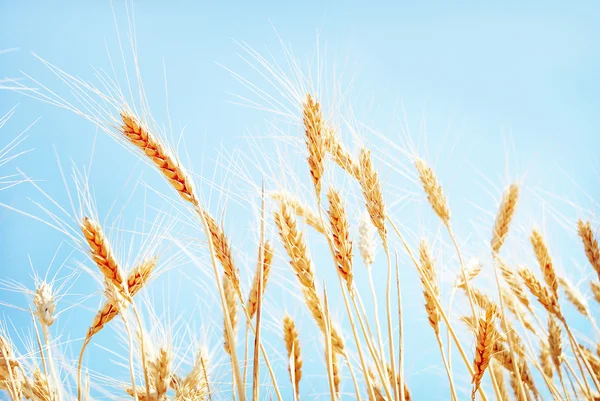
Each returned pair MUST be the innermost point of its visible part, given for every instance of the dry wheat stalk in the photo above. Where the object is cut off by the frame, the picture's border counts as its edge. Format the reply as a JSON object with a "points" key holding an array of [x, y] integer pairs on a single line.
{"points": [[483, 351], [545, 260], [545, 297], [300, 261], [140, 136], [231, 302], [340, 230], [434, 192], [315, 140], [252, 303], [574, 296], [340, 154], [590, 244], [292, 345], [428, 275], [504, 217], [101, 252], [300, 209], [371, 189]]}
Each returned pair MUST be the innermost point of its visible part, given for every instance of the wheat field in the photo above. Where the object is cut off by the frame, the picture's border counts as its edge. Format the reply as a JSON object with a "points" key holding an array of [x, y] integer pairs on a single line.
{"points": [[320, 258]]}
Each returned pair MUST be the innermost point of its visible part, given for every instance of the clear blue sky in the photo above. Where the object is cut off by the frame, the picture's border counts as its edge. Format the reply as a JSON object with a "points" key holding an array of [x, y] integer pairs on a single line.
{"points": [[492, 81]]}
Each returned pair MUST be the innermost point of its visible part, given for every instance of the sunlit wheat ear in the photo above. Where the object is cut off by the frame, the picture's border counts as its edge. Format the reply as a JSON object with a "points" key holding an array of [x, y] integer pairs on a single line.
{"points": [[472, 270], [483, 351], [434, 192], [513, 282], [366, 239], [223, 253], [159, 370], [499, 378], [341, 156], [590, 244], [195, 385], [595, 287], [231, 302], [396, 379], [545, 359], [138, 277], [504, 217], [574, 296], [340, 230], [292, 345], [141, 394], [592, 359], [11, 378], [45, 304], [140, 136], [544, 297], [39, 388], [252, 303], [545, 261], [555, 342], [514, 384], [428, 275], [371, 189], [102, 253], [300, 209], [337, 374], [377, 392], [315, 140], [300, 261]]}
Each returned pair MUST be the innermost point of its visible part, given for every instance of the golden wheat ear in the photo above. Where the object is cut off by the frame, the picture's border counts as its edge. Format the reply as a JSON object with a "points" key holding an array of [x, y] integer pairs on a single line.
{"points": [[101, 252], [590, 244], [483, 351], [315, 141], [504, 217], [292, 345]]}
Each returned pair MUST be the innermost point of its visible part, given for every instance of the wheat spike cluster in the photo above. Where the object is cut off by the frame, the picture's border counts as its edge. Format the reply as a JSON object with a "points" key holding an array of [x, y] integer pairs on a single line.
{"points": [[306, 307]]}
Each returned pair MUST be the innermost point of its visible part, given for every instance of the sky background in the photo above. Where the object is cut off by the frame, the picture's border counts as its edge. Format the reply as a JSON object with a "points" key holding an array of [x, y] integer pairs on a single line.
{"points": [[491, 93]]}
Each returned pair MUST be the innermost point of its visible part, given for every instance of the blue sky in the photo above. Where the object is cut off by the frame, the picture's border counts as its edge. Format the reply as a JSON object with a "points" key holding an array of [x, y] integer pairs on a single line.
{"points": [[509, 88]]}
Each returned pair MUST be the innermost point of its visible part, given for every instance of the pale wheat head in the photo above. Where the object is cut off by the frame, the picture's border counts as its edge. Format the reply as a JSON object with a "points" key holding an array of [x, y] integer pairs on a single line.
{"points": [[434, 191], [545, 260], [366, 239], [590, 244], [45, 304]]}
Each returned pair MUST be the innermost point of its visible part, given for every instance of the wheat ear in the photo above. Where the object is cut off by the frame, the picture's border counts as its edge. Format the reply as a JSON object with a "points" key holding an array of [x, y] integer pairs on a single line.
{"points": [[231, 302], [300, 261], [545, 260], [595, 287], [433, 190], [101, 252], [590, 244], [340, 230], [483, 351], [292, 345], [315, 140], [504, 217], [301, 209], [340, 155], [252, 303], [373, 195]]}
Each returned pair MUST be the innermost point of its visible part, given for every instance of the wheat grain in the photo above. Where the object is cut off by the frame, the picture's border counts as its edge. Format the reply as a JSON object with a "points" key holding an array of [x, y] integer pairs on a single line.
{"points": [[340, 230], [504, 217]]}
